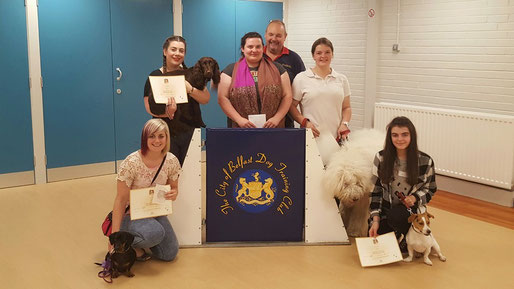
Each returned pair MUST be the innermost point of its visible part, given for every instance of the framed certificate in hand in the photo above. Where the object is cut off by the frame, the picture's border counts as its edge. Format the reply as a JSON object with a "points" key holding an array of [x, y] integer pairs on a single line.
{"points": [[164, 87], [149, 202], [378, 251]]}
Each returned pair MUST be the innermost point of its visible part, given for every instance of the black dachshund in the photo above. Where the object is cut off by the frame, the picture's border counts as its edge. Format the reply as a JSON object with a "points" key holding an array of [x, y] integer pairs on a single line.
{"points": [[123, 255]]}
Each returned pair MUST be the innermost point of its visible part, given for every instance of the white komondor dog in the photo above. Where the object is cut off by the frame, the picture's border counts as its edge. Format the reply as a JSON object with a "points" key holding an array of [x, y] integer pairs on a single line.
{"points": [[348, 178]]}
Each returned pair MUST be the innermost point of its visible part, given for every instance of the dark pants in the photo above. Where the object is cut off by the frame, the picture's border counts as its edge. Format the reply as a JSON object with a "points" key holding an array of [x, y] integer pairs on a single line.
{"points": [[179, 144], [289, 123], [396, 221]]}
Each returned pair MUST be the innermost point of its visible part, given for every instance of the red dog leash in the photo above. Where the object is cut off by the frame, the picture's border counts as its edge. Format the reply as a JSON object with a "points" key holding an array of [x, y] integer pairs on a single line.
{"points": [[402, 197]]}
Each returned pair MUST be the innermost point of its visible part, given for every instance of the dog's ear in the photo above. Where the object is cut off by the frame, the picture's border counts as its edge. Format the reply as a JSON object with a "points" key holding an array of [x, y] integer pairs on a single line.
{"points": [[198, 66], [195, 77], [412, 218], [113, 238], [216, 73], [430, 215], [130, 238]]}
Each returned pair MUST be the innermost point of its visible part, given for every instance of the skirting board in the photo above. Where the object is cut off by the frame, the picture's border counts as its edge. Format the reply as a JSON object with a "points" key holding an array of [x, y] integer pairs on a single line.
{"points": [[16, 179], [81, 171], [477, 191]]}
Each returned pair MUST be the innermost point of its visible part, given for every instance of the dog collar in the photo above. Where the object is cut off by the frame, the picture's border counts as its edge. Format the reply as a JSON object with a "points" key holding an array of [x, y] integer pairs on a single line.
{"points": [[119, 252]]}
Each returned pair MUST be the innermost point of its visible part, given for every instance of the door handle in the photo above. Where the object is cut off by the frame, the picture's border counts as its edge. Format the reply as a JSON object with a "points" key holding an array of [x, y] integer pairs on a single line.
{"points": [[120, 74]]}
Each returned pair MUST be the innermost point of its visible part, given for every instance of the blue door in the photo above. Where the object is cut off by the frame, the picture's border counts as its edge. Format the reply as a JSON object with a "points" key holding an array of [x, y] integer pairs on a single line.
{"points": [[139, 29], [76, 65], [16, 150], [254, 16], [215, 28], [208, 27], [95, 58]]}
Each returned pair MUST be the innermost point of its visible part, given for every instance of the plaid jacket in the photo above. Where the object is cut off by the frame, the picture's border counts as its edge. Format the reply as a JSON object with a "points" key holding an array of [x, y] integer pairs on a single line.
{"points": [[423, 191]]}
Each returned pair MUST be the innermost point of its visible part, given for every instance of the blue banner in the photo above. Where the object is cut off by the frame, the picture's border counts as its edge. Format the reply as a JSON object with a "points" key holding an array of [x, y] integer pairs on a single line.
{"points": [[255, 185]]}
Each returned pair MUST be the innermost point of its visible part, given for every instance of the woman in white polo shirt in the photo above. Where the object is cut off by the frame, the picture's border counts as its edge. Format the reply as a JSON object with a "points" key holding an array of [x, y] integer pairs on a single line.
{"points": [[323, 95]]}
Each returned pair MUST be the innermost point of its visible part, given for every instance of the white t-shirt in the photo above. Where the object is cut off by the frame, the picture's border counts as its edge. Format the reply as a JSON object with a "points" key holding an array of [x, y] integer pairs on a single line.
{"points": [[321, 99]]}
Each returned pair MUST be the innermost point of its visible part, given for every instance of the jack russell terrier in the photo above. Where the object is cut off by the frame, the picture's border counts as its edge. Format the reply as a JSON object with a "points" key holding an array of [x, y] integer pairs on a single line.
{"points": [[420, 239]]}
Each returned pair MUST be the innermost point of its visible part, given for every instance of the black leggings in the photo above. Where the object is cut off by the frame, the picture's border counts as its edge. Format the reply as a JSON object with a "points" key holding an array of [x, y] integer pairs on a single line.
{"points": [[179, 144], [396, 221]]}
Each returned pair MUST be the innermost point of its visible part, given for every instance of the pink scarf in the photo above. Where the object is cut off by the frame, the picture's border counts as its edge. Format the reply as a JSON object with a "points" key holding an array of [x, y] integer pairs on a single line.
{"points": [[243, 95]]}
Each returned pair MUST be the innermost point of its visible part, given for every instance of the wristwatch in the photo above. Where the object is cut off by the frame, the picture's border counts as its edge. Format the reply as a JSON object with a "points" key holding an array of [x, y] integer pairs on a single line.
{"points": [[346, 123]]}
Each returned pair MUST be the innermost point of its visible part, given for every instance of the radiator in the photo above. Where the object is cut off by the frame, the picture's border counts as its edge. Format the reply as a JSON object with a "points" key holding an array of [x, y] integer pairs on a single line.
{"points": [[477, 147]]}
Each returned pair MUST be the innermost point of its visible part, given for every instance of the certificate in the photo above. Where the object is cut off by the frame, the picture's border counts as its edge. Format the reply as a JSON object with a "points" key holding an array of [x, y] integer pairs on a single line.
{"points": [[149, 202], [164, 87], [378, 251], [258, 119]]}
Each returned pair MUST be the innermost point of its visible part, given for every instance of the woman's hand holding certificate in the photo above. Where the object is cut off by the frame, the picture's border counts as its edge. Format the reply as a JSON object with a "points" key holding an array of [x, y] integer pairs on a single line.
{"points": [[151, 202], [171, 195], [171, 107]]}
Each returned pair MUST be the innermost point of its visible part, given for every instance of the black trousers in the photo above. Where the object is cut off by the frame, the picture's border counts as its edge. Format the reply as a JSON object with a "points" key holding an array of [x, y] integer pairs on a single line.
{"points": [[179, 144], [289, 123], [396, 221]]}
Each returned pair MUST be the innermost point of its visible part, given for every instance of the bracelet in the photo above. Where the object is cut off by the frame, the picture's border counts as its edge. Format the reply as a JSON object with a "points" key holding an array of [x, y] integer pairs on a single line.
{"points": [[304, 122]]}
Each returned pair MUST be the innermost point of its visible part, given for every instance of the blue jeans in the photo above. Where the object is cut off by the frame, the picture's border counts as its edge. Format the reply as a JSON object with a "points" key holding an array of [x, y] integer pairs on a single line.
{"points": [[154, 233]]}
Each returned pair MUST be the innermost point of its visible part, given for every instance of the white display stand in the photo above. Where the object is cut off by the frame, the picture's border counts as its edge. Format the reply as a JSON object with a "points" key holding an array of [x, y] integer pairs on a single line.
{"points": [[187, 209], [323, 223]]}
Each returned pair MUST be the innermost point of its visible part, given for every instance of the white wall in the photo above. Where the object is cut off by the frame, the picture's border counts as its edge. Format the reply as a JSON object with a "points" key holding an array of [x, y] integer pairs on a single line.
{"points": [[453, 53], [344, 23], [456, 54]]}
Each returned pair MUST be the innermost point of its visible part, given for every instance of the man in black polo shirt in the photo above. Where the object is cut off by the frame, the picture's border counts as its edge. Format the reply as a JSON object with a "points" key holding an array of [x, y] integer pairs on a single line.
{"points": [[275, 36]]}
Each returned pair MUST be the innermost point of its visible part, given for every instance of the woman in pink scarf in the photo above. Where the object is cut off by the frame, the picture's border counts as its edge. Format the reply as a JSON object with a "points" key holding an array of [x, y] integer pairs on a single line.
{"points": [[254, 85]]}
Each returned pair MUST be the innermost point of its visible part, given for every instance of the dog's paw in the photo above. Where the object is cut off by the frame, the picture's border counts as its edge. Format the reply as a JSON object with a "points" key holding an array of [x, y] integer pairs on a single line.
{"points": [[408, 259], [130, 274], [442, 258], [427, 261]]}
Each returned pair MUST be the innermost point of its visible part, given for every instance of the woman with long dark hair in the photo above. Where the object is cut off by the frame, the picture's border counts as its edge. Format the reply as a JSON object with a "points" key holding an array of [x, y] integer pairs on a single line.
{"points": [[181, 129], [404, 180]]}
